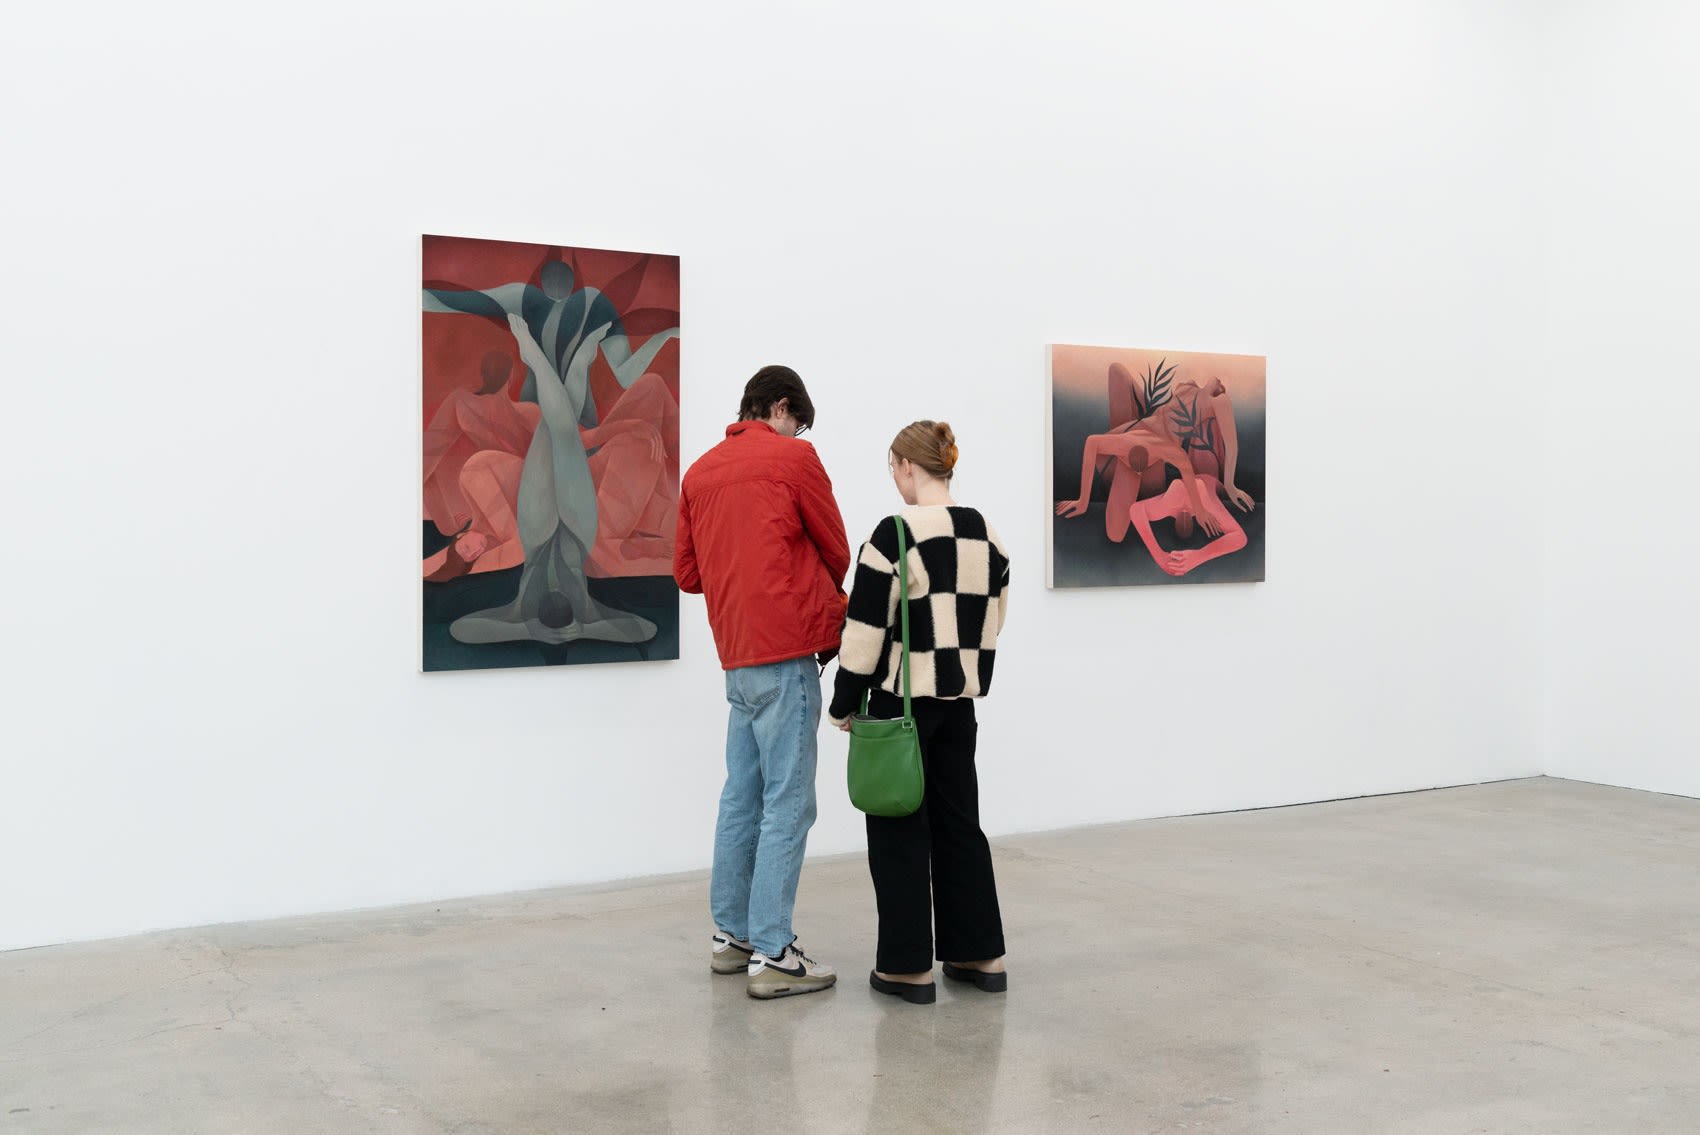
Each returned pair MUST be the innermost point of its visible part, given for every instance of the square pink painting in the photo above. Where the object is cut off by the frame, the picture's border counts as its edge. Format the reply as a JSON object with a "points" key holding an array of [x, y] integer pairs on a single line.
{"points": [[1157, 467]]}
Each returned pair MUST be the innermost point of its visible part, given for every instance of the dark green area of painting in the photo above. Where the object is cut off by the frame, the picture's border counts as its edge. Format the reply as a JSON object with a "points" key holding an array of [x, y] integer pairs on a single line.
{"points": [[1082, 556], [655, 597]]}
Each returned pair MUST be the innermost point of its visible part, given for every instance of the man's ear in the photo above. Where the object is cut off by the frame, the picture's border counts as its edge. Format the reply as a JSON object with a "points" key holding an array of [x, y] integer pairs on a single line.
{"points": [[783, 406]]}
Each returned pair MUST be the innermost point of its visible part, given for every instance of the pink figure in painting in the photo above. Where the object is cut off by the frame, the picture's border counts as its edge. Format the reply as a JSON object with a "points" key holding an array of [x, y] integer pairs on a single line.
{"points": [[474, 454], [1132, 450], [1199, 419], [1175, 504], [637, 494]]}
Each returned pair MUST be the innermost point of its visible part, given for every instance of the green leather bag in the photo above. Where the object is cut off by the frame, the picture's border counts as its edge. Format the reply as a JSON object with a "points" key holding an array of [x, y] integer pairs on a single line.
{"points": [[884, 766]]}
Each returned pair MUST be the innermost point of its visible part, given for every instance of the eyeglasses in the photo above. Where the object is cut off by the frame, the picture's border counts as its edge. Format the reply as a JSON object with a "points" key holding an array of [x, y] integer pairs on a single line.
{"points": [[801, 430]]}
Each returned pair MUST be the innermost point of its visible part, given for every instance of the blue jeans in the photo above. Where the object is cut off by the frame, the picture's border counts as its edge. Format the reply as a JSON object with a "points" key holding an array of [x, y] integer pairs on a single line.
{"points": [[768, 804]]}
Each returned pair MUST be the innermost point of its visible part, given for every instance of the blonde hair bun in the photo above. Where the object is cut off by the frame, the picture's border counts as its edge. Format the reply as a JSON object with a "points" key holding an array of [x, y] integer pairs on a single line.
{"points": [[928, 445]]}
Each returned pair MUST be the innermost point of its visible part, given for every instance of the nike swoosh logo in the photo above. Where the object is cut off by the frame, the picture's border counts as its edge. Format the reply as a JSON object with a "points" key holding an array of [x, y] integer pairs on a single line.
{"points": [[800, 971]]}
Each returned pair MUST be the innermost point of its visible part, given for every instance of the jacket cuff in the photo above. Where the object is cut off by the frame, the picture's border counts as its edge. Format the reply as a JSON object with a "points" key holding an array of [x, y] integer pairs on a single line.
{"points": [[847, 691]]}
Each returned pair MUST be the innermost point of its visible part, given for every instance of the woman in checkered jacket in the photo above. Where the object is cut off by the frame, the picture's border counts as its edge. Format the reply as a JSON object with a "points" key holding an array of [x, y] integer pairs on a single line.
{"points": [[958, 594]]}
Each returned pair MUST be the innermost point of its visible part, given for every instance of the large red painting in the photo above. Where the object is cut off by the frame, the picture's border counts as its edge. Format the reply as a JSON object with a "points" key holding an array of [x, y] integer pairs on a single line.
{"points": [[551, 454]]}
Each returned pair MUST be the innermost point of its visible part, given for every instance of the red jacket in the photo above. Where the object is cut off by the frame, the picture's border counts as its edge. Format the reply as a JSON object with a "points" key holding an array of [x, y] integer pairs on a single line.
{"points": [[760, 538]]}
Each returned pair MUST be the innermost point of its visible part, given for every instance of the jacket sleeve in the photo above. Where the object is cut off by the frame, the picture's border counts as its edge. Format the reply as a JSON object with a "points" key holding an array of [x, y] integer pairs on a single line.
{"points": [[821, 518], [867, 623], [685, 572]]}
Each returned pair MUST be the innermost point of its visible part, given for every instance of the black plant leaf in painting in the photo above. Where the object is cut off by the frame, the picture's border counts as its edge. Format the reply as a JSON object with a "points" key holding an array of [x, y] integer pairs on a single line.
{"points": [[1155, 392], [1193, 433], [1185, 415], [1203, 438]]}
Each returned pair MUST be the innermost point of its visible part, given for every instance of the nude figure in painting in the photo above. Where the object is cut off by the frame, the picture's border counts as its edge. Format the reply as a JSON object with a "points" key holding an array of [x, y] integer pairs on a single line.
{"points": [[1153, 428], [637, 479], [1176, 504], [1132, 450], [474, 453]]}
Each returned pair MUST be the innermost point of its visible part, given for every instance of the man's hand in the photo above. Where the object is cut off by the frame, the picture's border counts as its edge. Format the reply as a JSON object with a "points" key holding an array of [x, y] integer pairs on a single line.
{"points": [[845, 728]]}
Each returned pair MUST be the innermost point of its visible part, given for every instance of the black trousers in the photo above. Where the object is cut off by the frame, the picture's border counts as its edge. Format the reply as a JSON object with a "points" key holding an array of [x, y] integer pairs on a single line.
{"points": [[934, 868]]}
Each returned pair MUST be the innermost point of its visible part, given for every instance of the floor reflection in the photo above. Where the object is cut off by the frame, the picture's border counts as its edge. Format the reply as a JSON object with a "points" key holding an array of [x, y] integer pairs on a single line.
{"points": [[940, 1060]]}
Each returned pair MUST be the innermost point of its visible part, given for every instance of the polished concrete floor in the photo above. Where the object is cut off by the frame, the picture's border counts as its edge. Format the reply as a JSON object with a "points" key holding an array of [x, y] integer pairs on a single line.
{"points": [[1515, 957]]}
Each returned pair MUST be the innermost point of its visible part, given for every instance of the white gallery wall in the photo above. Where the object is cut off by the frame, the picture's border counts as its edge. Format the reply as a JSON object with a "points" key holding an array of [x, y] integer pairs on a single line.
{"points": [[213, 704], [1621, 390]]}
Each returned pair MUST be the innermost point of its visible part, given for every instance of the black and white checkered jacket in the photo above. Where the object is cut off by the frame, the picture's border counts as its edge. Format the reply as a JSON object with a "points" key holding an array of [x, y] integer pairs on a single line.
{"points": [[958, 596]]}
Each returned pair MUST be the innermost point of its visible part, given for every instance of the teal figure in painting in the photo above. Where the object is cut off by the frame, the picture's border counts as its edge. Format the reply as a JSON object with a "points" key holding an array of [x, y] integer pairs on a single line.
{"points": [[559, 331]]}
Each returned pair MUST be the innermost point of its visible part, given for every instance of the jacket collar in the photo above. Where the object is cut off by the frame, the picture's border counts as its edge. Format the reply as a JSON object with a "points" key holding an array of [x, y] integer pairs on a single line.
{"points": [[737, 428]]}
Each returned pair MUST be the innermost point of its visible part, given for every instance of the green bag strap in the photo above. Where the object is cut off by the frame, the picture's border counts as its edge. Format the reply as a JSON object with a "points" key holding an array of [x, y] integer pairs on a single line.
{"points": [[903, 618]]}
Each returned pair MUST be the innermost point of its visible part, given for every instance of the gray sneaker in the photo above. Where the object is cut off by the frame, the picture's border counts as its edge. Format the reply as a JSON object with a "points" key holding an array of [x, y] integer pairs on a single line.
{"points": [[791, 973], [729, 955]]}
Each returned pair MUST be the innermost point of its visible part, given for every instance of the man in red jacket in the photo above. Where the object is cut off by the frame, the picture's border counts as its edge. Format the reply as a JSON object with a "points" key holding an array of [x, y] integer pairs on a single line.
{"points": [[761, 538]]}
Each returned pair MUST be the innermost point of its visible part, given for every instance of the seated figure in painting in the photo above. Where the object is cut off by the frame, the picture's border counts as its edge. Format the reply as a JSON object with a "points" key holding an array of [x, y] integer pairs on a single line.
{"points": [[637, 482], [474, 452], [1153, 428]]}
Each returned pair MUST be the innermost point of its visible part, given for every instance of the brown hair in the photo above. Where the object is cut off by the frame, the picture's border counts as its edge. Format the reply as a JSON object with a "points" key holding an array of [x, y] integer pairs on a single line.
{"points": [[929, 445], [771, 384]]}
